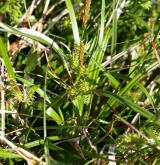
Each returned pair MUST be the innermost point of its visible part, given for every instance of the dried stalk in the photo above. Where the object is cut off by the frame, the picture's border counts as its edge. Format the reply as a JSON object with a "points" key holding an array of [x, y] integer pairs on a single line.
{"points": [[86, 12], [30, 158], [40, 24], [2, 100]]}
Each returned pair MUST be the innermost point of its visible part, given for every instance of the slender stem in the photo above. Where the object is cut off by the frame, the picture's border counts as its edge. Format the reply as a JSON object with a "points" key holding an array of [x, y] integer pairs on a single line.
{"points": [[149, 141], [40, 24], [29, 157], [2, 100], [46, 150]]}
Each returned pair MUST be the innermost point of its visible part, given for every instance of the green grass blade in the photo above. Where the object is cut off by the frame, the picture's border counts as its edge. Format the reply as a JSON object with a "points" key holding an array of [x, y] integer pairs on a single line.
{"points": [[112, 102], [73, 21], [129, 86], [33, 34], [8, 155], [144, 90], [97, 57], [95, 62], [145, 113], [54, 115], [101, 33], [112, 80], [6, 59], [41, 142], [61, 114], [114, 28], [37, 36]]}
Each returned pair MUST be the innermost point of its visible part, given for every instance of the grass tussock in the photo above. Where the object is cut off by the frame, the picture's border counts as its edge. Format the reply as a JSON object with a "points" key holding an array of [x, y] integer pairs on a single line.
{"points": [[79, 82]]}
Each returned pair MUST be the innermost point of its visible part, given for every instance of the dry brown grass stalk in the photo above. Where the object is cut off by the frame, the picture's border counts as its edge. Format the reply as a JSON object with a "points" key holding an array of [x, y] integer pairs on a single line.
{"points": [[86, 12]]}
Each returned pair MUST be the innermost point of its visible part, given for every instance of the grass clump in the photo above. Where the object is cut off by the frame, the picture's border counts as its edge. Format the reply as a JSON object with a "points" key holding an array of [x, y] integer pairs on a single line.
{"points": [[79, 82]]}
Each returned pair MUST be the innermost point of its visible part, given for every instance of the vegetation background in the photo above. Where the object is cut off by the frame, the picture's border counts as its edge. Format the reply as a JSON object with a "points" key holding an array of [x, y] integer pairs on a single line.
{"points": [[80, 82]]}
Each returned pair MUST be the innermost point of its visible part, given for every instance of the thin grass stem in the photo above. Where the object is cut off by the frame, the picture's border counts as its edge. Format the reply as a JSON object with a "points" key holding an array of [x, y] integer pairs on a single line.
{"points": [[2, 100], [46, 150]]}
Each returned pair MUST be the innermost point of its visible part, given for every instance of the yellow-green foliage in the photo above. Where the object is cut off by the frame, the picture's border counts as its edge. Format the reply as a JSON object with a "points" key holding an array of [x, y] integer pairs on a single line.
{"points": [[21, 95], [12, 8], [77, 58], [30, 94], [74, 59], [15, 91], [82, 85]]}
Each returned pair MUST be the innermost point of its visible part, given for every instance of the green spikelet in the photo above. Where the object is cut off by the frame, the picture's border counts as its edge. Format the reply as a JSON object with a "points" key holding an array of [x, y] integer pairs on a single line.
{"points": [[15, 91], [72, 92], [155, 129], [75, 58], [84, 87], [82, 71], [30, 94]]}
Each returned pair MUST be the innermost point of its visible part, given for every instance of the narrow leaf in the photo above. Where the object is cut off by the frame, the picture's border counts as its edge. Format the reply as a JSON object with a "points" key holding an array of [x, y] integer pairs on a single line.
{"points": [[145, 113], [6, 59], [73, 21]]}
